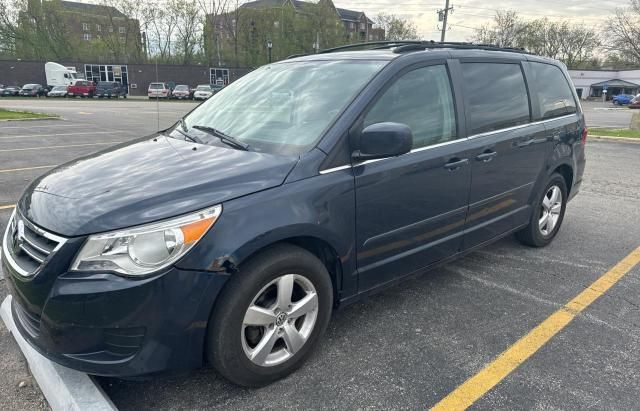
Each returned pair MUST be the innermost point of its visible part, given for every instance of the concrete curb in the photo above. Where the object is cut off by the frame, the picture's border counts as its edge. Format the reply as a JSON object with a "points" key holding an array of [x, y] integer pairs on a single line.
{"points": [[619, 139], [64, 388]]}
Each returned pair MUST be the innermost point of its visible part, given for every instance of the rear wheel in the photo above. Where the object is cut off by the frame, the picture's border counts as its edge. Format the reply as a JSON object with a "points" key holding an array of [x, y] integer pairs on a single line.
{"points": [[270, 316], [548, 214]]}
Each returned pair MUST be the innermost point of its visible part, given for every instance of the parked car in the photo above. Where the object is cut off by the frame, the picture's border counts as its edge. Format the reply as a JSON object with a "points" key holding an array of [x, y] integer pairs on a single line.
{"points": [[10, 91], [233, 234], [110, 89], [58, 91], [82, 88], [181, 91], [217, 88], [203, 92], [159, 90], [622, 99], [32, 90], [635, 103]]}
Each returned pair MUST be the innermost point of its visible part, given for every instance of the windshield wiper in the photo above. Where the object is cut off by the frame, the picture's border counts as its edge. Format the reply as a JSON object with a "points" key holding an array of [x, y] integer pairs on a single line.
{"points": [[226, 139], [183, 130]]}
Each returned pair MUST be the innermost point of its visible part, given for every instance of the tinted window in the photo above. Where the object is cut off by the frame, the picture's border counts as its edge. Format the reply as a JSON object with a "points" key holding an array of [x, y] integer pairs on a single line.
{"points": [[422, 100], [553, 90], [496, 96]]}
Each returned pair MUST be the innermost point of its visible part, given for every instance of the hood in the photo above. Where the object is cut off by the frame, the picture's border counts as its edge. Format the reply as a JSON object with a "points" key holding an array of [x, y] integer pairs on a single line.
{"points": [[144, 181]]}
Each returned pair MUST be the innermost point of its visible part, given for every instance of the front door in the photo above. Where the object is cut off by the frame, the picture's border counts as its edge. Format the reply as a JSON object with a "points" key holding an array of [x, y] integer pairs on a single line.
{"points": [[410, 210]]}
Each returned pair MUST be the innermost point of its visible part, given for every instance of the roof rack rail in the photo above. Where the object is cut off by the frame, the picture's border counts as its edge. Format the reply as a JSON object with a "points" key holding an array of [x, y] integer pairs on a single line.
{"points": [[401, 46]]}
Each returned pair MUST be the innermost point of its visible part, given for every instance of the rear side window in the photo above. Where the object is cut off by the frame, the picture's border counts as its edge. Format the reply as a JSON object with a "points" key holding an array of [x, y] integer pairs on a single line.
{"points": [[553, 90], [496, 96], [422, 100]]}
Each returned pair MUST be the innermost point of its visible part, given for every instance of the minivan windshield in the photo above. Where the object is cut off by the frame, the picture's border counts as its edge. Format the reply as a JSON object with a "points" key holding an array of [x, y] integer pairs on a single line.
{"points": [[284, 108]]}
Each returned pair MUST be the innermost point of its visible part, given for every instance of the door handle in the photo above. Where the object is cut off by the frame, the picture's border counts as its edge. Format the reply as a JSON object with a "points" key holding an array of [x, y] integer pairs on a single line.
{"points": [[486, 157], [456, 163]]}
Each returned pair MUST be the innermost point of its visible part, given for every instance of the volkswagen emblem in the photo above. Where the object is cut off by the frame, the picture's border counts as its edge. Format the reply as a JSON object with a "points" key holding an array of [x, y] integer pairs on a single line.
{"points": [[280, 319]]}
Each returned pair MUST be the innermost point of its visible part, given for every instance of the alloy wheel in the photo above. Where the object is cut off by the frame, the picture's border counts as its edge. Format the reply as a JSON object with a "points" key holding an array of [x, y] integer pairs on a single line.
{"points": [[279, 320], [550, 210]]}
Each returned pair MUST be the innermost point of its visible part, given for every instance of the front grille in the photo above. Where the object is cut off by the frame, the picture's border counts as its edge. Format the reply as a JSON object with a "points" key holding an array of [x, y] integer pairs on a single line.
{"points": [[30, 322], [28, 247]]}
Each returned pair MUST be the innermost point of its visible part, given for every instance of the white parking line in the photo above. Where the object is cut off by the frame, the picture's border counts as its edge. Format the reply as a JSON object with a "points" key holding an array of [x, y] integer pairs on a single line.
{"points": [[65, 146], [65, 134], [47, 126], [64, 388]]}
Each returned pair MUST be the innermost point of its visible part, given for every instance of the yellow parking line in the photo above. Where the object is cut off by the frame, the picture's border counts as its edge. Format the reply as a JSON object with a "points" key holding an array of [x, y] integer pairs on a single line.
{"points": [[7, 207], [477, 386], [12, 170], [66, 146]]}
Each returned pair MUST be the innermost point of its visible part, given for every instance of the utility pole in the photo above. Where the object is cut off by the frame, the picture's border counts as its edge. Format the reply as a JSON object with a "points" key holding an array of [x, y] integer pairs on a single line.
{"points": [[443, 16]]}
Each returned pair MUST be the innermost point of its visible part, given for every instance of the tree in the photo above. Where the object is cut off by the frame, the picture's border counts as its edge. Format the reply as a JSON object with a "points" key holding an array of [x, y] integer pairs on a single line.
{"points": [[623, 32], [506, 30], [188, 28], [575, 45], [396, 27], [30, 29]]}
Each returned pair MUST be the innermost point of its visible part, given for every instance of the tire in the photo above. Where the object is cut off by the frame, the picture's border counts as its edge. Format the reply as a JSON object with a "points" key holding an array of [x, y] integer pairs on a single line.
{"points": [[230, 342], [536, 234]]}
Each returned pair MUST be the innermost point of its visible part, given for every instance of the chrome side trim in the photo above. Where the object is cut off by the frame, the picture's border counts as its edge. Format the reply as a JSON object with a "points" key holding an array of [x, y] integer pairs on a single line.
{"points": [[518, 127], [417, 150], [333, 170]]}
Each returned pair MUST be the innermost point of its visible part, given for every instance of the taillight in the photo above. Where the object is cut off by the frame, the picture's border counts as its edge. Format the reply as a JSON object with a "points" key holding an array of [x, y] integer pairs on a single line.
{"points": [[585, 133]]}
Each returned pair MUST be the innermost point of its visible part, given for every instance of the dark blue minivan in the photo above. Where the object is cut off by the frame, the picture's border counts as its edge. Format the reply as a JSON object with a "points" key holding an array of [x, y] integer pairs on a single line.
{"points": [[305, 185]]}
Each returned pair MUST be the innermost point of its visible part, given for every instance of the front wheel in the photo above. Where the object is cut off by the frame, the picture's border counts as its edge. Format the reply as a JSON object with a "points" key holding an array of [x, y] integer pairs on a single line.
{"points": [[548, 214], [270, 316]]}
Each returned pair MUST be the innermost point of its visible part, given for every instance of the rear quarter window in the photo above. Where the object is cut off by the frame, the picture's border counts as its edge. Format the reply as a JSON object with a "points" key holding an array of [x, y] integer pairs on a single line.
{"points": [[554, 93], [495, 96]]}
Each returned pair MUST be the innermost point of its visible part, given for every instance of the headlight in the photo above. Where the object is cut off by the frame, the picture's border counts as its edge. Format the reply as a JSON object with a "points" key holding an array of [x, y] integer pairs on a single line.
{"points": [[145, 249]]}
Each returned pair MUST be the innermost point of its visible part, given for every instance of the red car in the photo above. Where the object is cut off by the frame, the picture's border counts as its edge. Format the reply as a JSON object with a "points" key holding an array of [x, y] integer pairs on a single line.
{"points": [[82, 88]]}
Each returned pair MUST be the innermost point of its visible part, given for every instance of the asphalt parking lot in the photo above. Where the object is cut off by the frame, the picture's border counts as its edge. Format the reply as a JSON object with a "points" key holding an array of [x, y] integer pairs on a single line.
{"points": [[412, 345]]}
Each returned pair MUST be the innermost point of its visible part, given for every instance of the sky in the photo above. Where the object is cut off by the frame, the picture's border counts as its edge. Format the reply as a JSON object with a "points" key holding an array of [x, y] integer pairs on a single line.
{"points": [[470, 14]]}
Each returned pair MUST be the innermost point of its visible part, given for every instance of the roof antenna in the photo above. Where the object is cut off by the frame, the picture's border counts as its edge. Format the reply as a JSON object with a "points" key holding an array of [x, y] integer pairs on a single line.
{"points": [[157, 98]]}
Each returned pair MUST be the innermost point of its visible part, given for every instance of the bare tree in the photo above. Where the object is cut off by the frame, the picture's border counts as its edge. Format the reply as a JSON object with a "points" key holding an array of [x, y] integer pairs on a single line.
{"points": [[160, 26], [188, 28], [506, 30], [396, 27], [623, 32], [573, 44]]}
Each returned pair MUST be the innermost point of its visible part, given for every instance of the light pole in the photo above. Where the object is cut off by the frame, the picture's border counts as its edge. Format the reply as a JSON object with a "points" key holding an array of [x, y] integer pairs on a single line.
{"points": [[269, 46]]}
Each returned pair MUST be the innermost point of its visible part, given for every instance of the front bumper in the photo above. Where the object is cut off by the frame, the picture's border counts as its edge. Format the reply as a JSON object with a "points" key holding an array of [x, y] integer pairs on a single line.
{"points": [[103, 324]]}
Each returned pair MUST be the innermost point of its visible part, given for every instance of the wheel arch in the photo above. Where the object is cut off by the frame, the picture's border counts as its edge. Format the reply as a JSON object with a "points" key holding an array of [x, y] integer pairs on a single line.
{"points": [[320, 247], [566, 171]]}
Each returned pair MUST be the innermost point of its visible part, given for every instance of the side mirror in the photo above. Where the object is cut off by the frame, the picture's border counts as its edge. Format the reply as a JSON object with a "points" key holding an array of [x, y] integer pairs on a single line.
{"points": [[382, 140]]}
